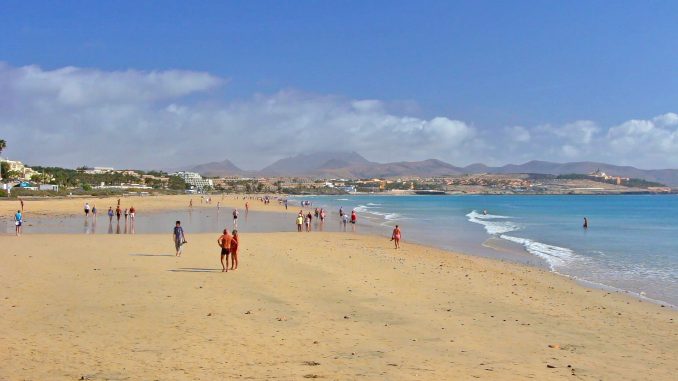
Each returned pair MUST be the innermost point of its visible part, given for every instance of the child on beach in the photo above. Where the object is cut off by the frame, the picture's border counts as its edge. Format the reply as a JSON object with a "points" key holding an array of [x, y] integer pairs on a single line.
{"points": [[235, 242], [178, 237], [87, 208], [224, 242], [110, 214]]}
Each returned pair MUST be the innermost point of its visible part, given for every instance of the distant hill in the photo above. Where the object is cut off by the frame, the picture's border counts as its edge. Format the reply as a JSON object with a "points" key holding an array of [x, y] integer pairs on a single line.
{"points": [[431, 167], [341, 164], [664, 176], [217, 169], [314, 163]]}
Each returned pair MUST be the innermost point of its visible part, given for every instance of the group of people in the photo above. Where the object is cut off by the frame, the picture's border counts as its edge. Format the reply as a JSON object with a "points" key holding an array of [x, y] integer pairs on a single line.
{"points": [[228, 243], [129, 214]]}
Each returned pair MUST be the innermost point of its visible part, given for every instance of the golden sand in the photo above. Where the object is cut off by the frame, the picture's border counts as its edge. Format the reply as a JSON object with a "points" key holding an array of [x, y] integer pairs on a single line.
{"points": [[306, 305]]}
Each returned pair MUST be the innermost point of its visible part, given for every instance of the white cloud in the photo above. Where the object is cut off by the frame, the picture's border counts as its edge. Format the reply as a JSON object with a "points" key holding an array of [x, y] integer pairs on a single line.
{"points": [[74, 116], [667, 120], [518, 134]]}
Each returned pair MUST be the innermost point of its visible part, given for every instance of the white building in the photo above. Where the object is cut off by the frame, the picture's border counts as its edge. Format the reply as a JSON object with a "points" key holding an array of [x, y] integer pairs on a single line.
{"points": [[195, 180], [25, 173], [99, 170]]}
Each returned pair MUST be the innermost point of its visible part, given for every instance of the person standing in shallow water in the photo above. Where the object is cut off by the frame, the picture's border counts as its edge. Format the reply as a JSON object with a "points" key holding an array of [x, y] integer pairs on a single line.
{"points": [[18, 222], [586, 223], [179, 238]]}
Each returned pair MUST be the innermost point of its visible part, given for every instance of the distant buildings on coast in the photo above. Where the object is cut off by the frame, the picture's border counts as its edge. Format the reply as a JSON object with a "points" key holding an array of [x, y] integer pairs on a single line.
{"points": [[109, 178]]}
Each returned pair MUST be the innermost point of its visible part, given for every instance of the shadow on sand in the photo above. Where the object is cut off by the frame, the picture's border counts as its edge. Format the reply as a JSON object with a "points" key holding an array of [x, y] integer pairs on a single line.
{"points": [[194, 270]]}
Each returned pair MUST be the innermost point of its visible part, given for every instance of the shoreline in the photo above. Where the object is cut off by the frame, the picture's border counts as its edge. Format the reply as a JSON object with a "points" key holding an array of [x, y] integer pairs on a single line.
{"points": [[127, 308], [518, 256]]}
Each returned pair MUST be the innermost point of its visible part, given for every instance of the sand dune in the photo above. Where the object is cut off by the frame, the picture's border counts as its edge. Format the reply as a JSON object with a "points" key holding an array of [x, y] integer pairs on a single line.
{"points": [[325, 305]]}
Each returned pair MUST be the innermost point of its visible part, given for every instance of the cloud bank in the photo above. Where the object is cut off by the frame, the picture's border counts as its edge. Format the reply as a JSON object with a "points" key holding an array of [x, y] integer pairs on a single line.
{"points": [[74, 116]]}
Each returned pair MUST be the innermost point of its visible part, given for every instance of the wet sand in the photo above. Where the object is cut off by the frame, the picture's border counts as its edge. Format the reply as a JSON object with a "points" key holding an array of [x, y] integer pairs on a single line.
{"points": [[75, 205], [329, 305]]}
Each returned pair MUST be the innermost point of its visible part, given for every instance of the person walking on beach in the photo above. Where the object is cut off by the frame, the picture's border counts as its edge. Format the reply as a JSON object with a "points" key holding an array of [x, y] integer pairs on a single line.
{"points": [[118, 212], [18, 221], [87, 209], [132, 214], [21, 200], [179, 238], [247, 207], [235, 218], [190, 203], [235, 242], [354, 219], [344, 220], [395, 236], [300, 221], [126, 215], [110, 214], [224, 242]]}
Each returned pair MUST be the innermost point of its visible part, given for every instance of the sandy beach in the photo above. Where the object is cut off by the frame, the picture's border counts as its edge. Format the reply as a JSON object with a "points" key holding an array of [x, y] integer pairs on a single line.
{"points": [[319, 305], [75, 205]]}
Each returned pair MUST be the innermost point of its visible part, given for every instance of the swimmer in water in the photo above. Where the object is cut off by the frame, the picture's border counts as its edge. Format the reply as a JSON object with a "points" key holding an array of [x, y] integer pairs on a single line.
{"points": [[586, 223], [484, 212]]}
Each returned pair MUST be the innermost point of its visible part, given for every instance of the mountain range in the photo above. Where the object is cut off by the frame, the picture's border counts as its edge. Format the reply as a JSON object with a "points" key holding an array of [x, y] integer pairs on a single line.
{"points": [[352, 165]]}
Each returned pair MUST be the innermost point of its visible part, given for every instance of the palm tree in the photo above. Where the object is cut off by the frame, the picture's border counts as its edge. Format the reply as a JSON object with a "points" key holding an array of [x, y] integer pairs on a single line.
{"points": [[3, 144]]}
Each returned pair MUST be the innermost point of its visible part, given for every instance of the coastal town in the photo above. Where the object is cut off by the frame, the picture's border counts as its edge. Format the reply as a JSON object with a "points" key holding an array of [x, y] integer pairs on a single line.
{"points": [[18, 178]]}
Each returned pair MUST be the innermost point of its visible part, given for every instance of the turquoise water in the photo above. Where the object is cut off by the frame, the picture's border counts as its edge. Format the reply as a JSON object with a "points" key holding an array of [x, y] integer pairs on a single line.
{"points": [[631, 243]]}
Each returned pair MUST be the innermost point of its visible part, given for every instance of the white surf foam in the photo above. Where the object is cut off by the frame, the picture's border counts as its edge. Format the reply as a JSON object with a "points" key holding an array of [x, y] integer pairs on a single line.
{"points": [[490, 223], [555, 256]]}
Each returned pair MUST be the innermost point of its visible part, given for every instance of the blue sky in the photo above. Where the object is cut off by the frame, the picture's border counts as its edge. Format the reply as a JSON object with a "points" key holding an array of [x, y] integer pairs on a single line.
{"points": [[492, 65]]}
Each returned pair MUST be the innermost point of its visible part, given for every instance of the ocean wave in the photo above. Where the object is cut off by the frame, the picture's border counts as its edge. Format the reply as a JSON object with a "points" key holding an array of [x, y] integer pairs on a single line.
{"points": [[388, 216], [372, 204], [490, 224], [342, 199], [555, 256]]}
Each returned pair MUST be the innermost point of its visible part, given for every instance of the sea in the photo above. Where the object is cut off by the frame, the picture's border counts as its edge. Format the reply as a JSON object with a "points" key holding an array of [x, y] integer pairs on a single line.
{"points": [[630, 245]]}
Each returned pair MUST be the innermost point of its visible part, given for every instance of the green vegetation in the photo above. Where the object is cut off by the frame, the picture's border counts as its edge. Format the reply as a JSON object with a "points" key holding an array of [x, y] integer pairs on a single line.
{"points": [[177, 183], [4, 169]]}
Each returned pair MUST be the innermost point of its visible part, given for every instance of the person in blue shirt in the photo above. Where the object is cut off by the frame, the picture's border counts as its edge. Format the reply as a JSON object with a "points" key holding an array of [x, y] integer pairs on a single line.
{"points": [[18, 221], [179, 238]]}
